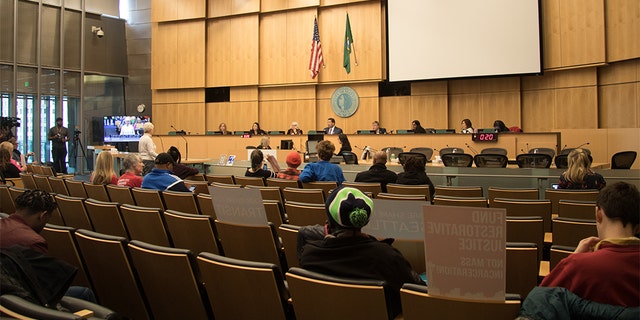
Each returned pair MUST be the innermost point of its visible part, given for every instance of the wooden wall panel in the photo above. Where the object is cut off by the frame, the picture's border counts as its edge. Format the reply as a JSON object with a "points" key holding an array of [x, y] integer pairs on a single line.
{"points": [[577, 108], [171, 10], [164, 38], [273, 48], [244, 93], [217, 113], [551, 39], [178, 96], [177, 55], [298, 45], [429, 87], [181, 116], [273, 5], [395, 113], [326, 3], [430, 110], [537, 106], [221, 8], [622, 29], [617, 106], [236, 67], [367, 110], [280, 114]]}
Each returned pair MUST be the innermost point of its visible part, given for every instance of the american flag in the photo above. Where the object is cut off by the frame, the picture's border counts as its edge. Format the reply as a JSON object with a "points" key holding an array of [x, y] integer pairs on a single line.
{"points": [[316, 60]]}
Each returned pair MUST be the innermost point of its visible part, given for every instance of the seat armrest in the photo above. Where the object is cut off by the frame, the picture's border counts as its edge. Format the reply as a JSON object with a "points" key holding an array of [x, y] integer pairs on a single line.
{"points": [[75, 304]]}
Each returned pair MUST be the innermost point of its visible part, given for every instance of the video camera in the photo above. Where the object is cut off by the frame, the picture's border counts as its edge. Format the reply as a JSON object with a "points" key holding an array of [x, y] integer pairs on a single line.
{"points": [[9, 122]]}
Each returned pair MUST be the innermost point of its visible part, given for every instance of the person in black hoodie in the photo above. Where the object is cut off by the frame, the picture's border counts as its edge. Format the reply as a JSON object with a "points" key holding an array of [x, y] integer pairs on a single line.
{"points": [[414, 174], [378, 172]]}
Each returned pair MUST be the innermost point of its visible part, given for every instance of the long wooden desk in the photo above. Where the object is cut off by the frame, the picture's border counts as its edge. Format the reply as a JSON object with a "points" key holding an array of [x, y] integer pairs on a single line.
{"points": [[213, 146]]}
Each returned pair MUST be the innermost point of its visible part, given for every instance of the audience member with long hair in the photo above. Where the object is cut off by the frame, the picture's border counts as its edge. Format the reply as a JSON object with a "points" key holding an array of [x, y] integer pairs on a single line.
{"points": [[103, 174], [345, 145], [415, 174], [579, 174], [6, 145], [180, 169], [256, 170], [6, 167]]}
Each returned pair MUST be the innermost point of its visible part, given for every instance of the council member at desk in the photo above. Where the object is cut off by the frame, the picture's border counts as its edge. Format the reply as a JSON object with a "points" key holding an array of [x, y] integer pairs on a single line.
{"points": [[331, 127], [256, 131], [375, 127], [294, 130], [416, 127], [467, 127], [579, 174], [323, 170], [265, 143], [162, 178], [257, 159], [378, 172], [147, 148], [222, 127]]}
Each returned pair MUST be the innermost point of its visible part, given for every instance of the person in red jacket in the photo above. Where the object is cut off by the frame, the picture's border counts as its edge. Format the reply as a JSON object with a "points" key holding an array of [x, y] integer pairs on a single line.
{"points": [[606, 268]]}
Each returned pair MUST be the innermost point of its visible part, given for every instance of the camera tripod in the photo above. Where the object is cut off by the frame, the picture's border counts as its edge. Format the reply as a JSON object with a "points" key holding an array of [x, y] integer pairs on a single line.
{"points": [[77, 142]]}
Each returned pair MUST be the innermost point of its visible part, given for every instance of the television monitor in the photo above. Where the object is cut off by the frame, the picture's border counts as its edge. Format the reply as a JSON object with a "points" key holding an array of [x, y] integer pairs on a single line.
{"points": [[123, 128]]}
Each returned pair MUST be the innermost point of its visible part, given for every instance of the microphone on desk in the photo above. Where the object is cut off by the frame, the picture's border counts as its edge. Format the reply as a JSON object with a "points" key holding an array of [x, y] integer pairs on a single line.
{"points": [[527, 147], [470, 148], [181, 133], [366, 152], [582, 145]]}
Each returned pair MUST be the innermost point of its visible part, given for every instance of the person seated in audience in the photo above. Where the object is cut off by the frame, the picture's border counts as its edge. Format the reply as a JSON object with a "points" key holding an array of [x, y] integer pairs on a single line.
{"points": [[256, 131], [22, 228], [416, 127], [6, 145], [378, 172], [578, 174], [499, 126], [414, 174], [161, 176], [104, 174], [6, 167], [133, 169], [323, 170], [293, 161], [345, 145], [17, 155], [606, 268], [256, 170], [345, 251], [331, 127], [375, 126], [294, 130], [466, 126], [222, 127], [179, 169], [265, 143]]}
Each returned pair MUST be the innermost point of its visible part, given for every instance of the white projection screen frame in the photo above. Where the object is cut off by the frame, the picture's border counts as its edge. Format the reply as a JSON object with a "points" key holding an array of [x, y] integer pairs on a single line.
{"points": [[440, 39]]}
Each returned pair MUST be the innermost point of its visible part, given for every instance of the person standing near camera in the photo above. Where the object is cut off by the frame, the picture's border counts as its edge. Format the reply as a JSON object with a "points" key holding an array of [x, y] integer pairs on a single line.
{"points": [[59, 136]]}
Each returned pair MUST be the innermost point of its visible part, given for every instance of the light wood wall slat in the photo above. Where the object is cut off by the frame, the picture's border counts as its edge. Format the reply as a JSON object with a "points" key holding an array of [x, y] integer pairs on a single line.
{"points": [[430, 110], [622, 29], [274, 5], [178, 55], [617, 107], [171, 10], [429, 87], [249, 93], [163, 58], [226, 67], [551, 34], [538, 109], [178, 95], [273, 49], [221, 8], [278, 115], [181, 116]]}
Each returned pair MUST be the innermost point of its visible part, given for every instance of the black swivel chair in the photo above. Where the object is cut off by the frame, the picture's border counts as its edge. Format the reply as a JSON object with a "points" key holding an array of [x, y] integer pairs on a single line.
{"points": [[404, 156], [533, 160], [488, 160], [623, 159], [549, 151], [457, 159], [444, 151], [350, 157]]}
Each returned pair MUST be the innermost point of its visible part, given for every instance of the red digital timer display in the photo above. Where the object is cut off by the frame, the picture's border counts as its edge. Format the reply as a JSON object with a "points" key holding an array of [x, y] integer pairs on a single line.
{"points": [[484, 137]]}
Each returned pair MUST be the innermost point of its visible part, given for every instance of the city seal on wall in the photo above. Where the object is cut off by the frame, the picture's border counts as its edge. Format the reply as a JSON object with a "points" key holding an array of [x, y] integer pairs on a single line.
{"points": [[344, 102]]}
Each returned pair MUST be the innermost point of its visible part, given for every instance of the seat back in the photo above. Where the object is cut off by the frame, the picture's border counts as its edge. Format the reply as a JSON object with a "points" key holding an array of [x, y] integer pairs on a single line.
{"points": [[145, 224], [206, 205], [428, 152], [121, 195], [73, 212], [251, 181], [180, 201], [275, 212], [283, 183], [569, 232], [7, 204], [198, 186], [416, 303], [106, 218], [623, 160], [457, 159], [231, 288], [48, 171], [468, 191], [326, 186], [58, 186], [15, 192], [547, 151], [577, 209], [170, 280], [196, 177], [221, 178], [555, 195], [305, 214], [413, 251], [372, 187], [557, 253], [76, 188], [289, 235], [349, 157], [311, 291], [28, 181], [404, 156], [511, 193], [522, 267], [490, 160], [42, 182], [396, 196], [191, 231], [253, 243], [410, 189], [480, 202], [269, 193], [526, 208], [303, 195], [125, 294], [561, 161], [37, 169], [148, 198], [526, 229], [446, 150], [62, 245], [501, 151], [534, 160], [96, 191]]}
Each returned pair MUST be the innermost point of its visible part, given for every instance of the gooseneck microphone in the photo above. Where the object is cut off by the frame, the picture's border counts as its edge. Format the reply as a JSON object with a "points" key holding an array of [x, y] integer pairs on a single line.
{"points": [[186, 143], [470, 148], [582, 145]]}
